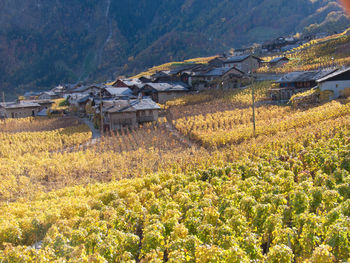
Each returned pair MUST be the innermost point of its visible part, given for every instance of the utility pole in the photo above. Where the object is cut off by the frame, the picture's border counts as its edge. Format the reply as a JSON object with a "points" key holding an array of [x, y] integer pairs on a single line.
{"points": [[101, 113], [253, 93]]}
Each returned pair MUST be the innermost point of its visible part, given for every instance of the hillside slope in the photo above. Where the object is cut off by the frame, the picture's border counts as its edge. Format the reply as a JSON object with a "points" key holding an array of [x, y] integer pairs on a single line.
{"points": [[43, 43]]}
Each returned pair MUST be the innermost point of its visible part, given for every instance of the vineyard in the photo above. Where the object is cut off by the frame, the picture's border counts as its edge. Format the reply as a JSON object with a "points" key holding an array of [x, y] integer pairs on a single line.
{"points": [[332, 51], [145, 195], [213, 101], [234, 127], [278, 207]]}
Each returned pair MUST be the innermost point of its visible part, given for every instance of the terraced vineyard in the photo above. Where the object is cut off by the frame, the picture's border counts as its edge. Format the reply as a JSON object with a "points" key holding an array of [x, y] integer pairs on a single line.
{"points": [[144, 196], [234, 127]]}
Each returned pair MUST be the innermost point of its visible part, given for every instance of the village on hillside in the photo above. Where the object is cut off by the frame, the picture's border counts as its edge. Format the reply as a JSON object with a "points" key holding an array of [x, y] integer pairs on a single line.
{"points": [[128, 102]]}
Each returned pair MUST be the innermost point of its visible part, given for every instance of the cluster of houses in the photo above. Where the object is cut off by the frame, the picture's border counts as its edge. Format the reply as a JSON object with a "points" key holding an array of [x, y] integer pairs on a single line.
{"points": [[129, 102]]}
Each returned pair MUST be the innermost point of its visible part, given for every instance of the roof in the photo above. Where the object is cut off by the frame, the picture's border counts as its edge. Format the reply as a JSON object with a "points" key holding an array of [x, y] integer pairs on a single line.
{"points": [[58, 89], [49, 93], [131, 82], [219, 71], [32, 93], [84, 99], [19, 105], [170, 86], [81, 89], [40, 102], [278, 59], [334, 74], [130, 105], [161, 74], [118, 91], [182, 68], [144, 104], [78, 89], [239, 58], [302, 76]]}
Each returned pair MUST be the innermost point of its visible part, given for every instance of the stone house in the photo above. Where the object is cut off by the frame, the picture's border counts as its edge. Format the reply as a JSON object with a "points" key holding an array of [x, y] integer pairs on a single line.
{"points": [[163, 92], [19, 109], [225, 77], [119, 114], [244, 63]]}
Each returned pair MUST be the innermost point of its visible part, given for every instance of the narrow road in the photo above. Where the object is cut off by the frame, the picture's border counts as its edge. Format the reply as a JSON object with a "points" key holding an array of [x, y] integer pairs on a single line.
{"points": [[96, 134]]}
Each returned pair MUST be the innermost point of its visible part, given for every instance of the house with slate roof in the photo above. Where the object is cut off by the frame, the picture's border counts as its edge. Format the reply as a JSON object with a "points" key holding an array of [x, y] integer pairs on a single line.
{"points": [[117, 93], [119, 114], [337, 84], [244, 63], [19, 109], [296, 82], [163, 92], [225, 77]]}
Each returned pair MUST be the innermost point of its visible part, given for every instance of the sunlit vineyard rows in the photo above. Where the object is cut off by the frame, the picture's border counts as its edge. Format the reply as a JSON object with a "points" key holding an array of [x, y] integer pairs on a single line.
{"points": [[31, 162], [218, 100], [211, 193], [13, 145], [232, 127], [34, 124], [274, 207], [314, 55]]}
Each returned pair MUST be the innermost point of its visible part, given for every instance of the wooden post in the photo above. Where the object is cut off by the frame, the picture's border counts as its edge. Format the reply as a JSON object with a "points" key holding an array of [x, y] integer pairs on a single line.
{"points": [[253, 94], [101, 113]]}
